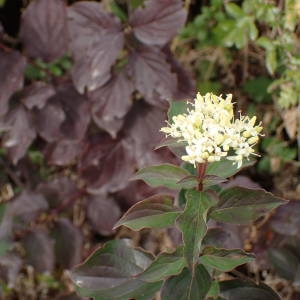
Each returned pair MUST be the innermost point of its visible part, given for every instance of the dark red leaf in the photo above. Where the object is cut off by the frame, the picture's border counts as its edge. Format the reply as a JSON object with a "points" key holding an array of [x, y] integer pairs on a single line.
{"points": [[107, 165], [63, 152], [20, 132], [58, 191], [37, 94], [68, 243], [159, 21], [96, 40], [111, 102], [44, 29], [152, 75], [102, 212], [12, 66], [39, 250]]}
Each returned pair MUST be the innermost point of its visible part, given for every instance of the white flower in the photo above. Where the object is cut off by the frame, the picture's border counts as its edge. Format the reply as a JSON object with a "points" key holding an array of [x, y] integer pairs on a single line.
{"points": [[210, 131]]}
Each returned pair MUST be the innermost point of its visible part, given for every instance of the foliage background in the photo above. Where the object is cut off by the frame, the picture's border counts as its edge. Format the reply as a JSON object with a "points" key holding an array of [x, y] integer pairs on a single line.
{"points": [[73, 133]]}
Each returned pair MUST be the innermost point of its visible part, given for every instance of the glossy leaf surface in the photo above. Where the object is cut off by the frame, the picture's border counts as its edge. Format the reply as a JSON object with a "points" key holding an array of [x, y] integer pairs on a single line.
{"points": [[164, 266], [239, 289], [241, 205], [162, 175], [158, 21], [44, 29], [154, 212], [192, 223], [96, 40], [187, 286], [109, 273], [223, 259]]}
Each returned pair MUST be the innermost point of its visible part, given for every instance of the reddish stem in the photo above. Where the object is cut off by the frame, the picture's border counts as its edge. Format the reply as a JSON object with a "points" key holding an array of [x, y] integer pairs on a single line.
{"points": [[201, 168]]}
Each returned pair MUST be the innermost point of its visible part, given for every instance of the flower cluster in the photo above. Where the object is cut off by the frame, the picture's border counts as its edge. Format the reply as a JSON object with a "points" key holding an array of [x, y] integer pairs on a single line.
{"points": [[210, 131]]}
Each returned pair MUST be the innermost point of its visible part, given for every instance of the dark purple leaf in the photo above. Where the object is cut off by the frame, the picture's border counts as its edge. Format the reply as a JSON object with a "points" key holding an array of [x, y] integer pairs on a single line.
{"points": [[71, 297], [241, 289], [224, 237], [242, 181], [68, 243], [10, 266], [20, 132], [76, 109], [152, 75], [58, 191], [37, 94], [110, 126], [44, 29], [12, 66], [143, 124], [39, 250], [66, 115], [111, 102], [286, 261], [27, 206], [103, 212], [286, 220], [186, 87], [138, 190], [107, 164], [48, 121], [63, 152], [110, 273], [96, 40], [158, 21]]}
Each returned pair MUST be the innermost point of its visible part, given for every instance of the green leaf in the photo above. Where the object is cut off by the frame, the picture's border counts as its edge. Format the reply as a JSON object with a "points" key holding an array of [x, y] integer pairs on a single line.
{"points": [[223, 259], [265, 43], [187, 286], [162, 175], [211, 180], [164, 266], [110, 273], [240, 205], [226, 168], [234, 10], [271, 61], [4, 246], [189, 182], [117, 11], [192, 223], [214, 290], [257, 89], [177, 108], [240, 289], [154, 212], [253, 32], [134, 4]]}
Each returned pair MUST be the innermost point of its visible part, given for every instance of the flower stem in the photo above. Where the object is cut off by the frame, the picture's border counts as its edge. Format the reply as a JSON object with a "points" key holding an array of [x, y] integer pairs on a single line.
{"points": [[201, 168]]}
